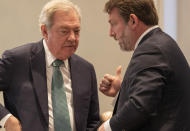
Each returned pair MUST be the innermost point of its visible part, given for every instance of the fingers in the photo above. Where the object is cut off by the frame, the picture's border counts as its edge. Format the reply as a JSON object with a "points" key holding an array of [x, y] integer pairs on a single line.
{"points": [[104, 86], [13, 124], [109, 77], [106, 82], [103, 89], [106, 115], [118, 71]]}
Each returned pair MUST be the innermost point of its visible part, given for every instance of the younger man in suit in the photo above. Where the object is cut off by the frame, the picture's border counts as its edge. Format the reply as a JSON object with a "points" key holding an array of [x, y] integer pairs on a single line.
{"points": [[28, 83], [152, 94]]}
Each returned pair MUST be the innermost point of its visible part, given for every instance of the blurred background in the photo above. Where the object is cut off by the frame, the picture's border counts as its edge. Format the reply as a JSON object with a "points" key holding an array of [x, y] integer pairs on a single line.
{"points": [[19, 25]]}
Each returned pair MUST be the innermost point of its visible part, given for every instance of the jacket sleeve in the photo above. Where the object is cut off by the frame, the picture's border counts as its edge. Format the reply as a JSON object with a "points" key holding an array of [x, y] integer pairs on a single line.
{"points": [[5, 77], [93, 115]]}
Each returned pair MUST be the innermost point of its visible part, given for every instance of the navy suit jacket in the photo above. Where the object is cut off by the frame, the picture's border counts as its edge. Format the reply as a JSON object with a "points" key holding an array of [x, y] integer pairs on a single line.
{"points": [[153, 93], [24, 85]]}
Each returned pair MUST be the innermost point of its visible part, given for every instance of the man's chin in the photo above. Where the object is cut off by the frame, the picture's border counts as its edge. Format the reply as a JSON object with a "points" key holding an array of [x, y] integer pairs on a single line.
{"points": [[125, 49], [122, 47], [65, 56]]}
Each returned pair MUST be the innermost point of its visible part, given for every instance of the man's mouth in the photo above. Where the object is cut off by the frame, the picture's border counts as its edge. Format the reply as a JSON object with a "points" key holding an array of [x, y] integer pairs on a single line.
{"points": [[69, 46]]}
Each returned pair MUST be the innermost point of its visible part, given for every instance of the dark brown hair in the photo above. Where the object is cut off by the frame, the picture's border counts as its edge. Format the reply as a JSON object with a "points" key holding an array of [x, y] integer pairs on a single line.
{"points": [[143, 9]]}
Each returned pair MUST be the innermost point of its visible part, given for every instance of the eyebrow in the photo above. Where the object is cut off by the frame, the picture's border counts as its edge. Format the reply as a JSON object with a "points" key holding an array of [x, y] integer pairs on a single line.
{"points": [[66, 27]]}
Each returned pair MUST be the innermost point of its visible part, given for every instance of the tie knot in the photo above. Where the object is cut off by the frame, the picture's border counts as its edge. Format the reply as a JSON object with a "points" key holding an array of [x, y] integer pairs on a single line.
{"points": [[57, 63]]}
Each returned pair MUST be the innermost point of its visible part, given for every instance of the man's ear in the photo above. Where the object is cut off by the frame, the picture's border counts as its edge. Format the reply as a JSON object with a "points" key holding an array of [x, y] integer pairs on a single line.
{"points": [[44, 31], [133, 19]]}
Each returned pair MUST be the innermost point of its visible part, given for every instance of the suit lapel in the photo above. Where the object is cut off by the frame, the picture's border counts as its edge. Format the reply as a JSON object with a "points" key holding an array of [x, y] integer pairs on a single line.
{"points": [[38, 69], [75, 77]]}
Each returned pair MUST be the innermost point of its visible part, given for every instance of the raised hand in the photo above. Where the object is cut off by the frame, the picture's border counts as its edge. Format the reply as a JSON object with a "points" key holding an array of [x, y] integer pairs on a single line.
{"points": [[110, 85]]}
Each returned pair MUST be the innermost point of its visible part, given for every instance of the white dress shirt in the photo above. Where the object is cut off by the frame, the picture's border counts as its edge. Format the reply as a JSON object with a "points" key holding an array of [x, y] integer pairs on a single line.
{"points": [[65, 70], [107, 123]]}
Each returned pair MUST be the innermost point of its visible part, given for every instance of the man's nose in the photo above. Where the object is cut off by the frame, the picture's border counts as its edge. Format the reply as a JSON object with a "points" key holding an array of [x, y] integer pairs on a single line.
{"points": [[112, 34], [72, 36]]}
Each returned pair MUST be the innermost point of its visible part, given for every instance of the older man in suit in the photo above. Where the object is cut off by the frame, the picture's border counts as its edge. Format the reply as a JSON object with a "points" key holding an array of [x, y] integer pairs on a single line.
{"points": [[154, 92], [32, 74]]}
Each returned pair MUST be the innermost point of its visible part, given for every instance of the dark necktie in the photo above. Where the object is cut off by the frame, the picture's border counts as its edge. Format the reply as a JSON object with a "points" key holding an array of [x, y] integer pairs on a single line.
{"points": [[59, 100]]}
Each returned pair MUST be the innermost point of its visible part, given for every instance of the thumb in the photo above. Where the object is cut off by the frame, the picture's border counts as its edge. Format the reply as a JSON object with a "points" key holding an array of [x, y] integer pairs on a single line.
{"points": [[118, 71]]}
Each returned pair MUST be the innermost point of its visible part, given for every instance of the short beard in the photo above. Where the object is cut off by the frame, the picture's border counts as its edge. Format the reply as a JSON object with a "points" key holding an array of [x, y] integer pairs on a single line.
{"points": [[122, 46], [125, 47]]}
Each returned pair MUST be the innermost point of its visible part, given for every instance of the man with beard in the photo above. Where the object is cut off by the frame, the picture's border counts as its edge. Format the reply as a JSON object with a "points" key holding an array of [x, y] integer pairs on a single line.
{"points": [[45, 85], [152, 95]]}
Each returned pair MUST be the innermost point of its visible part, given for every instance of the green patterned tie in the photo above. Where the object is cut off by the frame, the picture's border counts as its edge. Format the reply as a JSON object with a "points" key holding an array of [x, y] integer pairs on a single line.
{"points": [[59, 100]]}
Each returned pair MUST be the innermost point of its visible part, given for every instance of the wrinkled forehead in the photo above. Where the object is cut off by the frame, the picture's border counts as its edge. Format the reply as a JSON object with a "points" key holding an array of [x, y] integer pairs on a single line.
{"points": [[69, 17]]}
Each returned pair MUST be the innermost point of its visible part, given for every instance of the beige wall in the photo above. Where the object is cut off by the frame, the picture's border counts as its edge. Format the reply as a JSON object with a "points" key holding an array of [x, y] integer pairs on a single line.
{"points": [[159, 7], [183, 27], [19, 25]]}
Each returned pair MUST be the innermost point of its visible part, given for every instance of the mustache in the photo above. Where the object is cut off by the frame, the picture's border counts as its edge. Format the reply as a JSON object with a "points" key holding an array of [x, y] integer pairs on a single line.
{"points": [[70, 44], [115, 38]]}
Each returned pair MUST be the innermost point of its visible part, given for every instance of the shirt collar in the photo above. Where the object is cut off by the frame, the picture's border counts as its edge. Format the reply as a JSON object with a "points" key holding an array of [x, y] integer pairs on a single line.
{"points": [[50, 58], [143, 34]]}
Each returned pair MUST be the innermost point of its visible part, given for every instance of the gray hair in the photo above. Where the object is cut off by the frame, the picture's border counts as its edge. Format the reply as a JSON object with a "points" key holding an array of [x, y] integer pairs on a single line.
{"points": [[46, 15]]}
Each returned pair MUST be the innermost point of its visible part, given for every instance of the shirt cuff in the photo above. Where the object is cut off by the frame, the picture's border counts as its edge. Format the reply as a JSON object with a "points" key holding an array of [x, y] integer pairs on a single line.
{"points": [[2, 122], [107, 125]]}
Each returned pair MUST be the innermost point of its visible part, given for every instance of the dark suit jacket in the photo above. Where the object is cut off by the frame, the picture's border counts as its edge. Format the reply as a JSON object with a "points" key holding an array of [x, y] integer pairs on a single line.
{"points": [[152, 96], [23, 82]]}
